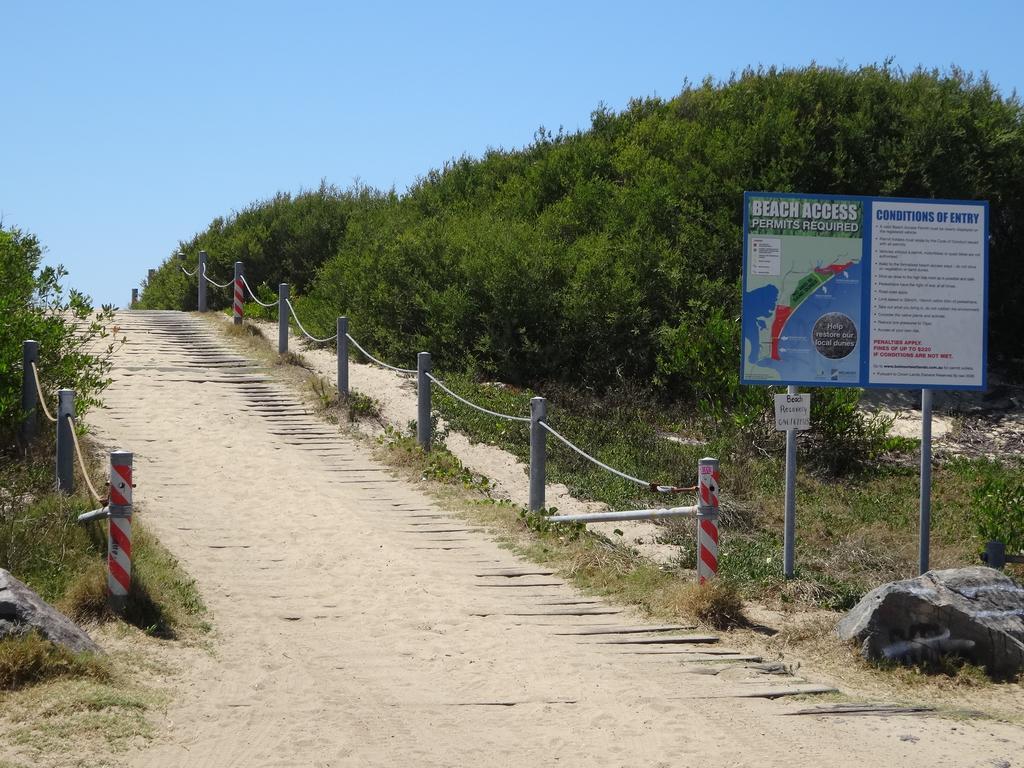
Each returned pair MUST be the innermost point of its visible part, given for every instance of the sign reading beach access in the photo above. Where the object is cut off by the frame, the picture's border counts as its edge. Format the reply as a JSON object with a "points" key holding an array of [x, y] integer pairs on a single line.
{"points": [[864, 291]]}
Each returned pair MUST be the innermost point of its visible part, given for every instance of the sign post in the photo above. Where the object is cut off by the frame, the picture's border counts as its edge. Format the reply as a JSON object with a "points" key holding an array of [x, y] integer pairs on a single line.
{"points": [[853, 291], [924, 545], [792, 412]]}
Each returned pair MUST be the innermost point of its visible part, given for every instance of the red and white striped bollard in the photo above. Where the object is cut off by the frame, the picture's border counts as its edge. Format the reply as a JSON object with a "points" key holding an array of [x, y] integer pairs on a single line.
{"points": [[707, 520], [239, 306], [119, 539]]}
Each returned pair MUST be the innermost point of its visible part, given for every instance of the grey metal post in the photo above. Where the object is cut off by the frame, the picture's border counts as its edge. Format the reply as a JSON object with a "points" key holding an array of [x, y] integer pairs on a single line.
{"points": [[423, 400], [282, 318], [343, 356], [538, 452], [995, 555], [135, 297], [926, 480], [65, 447], [789, 529], [202, 281], [149, 276], [236, 288], [29, 398]]}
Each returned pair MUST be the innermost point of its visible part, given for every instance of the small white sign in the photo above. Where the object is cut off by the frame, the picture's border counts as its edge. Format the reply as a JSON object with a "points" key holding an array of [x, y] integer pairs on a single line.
{"points": [[792, 412]]}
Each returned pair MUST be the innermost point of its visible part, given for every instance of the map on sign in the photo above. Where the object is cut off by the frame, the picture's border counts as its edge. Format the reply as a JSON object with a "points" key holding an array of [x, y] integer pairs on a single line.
{"points": [[843, 290], [802, 299]]}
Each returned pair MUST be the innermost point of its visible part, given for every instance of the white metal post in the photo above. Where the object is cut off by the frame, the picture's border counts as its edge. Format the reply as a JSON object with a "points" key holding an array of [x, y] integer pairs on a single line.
{"points": [[239, 304], [119, 538], [707, 520], [789, 527]]}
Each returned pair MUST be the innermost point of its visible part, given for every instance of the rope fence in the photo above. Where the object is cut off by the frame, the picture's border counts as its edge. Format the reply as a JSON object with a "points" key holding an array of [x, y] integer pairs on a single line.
{"points": [[81, 464], [474, 405], [256, 298], [42, 399], [706, 511], [116, 508], [215, 283], [648, 485], [373, 359], [192, 273], [302, 328], [284, 300]]}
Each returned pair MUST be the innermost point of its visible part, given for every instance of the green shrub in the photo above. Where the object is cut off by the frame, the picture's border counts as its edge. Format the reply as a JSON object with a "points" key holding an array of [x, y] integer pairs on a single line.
{"points": [[34, 305], [610, 258], [998, 503]]}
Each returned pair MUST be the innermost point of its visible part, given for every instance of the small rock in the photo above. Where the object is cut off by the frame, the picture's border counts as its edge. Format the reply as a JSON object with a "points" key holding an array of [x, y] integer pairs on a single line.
{"points": [[22, 610]]}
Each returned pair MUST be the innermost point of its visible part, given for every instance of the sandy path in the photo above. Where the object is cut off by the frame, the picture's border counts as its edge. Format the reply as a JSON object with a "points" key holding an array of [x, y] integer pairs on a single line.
{"points": [[359, 625], [396, 396]]}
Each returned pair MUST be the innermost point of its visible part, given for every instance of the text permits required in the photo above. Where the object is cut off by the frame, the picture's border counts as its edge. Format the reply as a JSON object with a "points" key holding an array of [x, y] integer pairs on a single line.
{"points": [[792, 412]]}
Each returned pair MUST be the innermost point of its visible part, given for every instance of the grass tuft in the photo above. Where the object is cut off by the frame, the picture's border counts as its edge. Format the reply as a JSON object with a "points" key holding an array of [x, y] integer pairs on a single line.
{"points": [[716, 603], [30, 658], [245, 330], [362, 406], [291, 358], [86, 595]]}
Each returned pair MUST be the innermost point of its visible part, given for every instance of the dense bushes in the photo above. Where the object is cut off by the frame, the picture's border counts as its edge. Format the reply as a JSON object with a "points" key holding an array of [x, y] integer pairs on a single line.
{"points": [[284, 239], [34, 306], [614, 254]]}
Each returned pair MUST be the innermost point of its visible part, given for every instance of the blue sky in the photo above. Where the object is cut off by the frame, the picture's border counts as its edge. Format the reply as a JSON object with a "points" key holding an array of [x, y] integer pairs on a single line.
{"points": [[126, 127]]}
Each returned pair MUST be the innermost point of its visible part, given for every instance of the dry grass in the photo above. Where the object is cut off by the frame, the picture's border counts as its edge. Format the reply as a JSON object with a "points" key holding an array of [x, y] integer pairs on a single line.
{"points": [[291, 358], [30, 658], [715, 603], [77, 721], [244, 330], [86, 596]]}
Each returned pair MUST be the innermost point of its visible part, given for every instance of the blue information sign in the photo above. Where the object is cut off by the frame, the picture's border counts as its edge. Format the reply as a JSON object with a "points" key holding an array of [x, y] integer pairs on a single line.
{"points": [[854, 291]]}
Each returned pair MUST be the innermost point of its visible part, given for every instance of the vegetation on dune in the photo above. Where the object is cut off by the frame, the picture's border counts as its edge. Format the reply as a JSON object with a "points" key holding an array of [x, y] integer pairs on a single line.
{"points": [[613, 254], [602, 269], [34, 306]]}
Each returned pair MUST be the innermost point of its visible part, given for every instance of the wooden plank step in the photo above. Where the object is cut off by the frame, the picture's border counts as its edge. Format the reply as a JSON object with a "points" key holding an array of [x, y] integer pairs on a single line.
{"points": [[682, 651], [777, 693], [628, 630], [670, 640], [702, 658], [863, 709], [606, 612]]}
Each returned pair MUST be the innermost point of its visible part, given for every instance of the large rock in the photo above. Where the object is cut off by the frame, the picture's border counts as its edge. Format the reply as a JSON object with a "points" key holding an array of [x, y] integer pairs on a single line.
{"points": [[22, 610], [976, 613]]}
